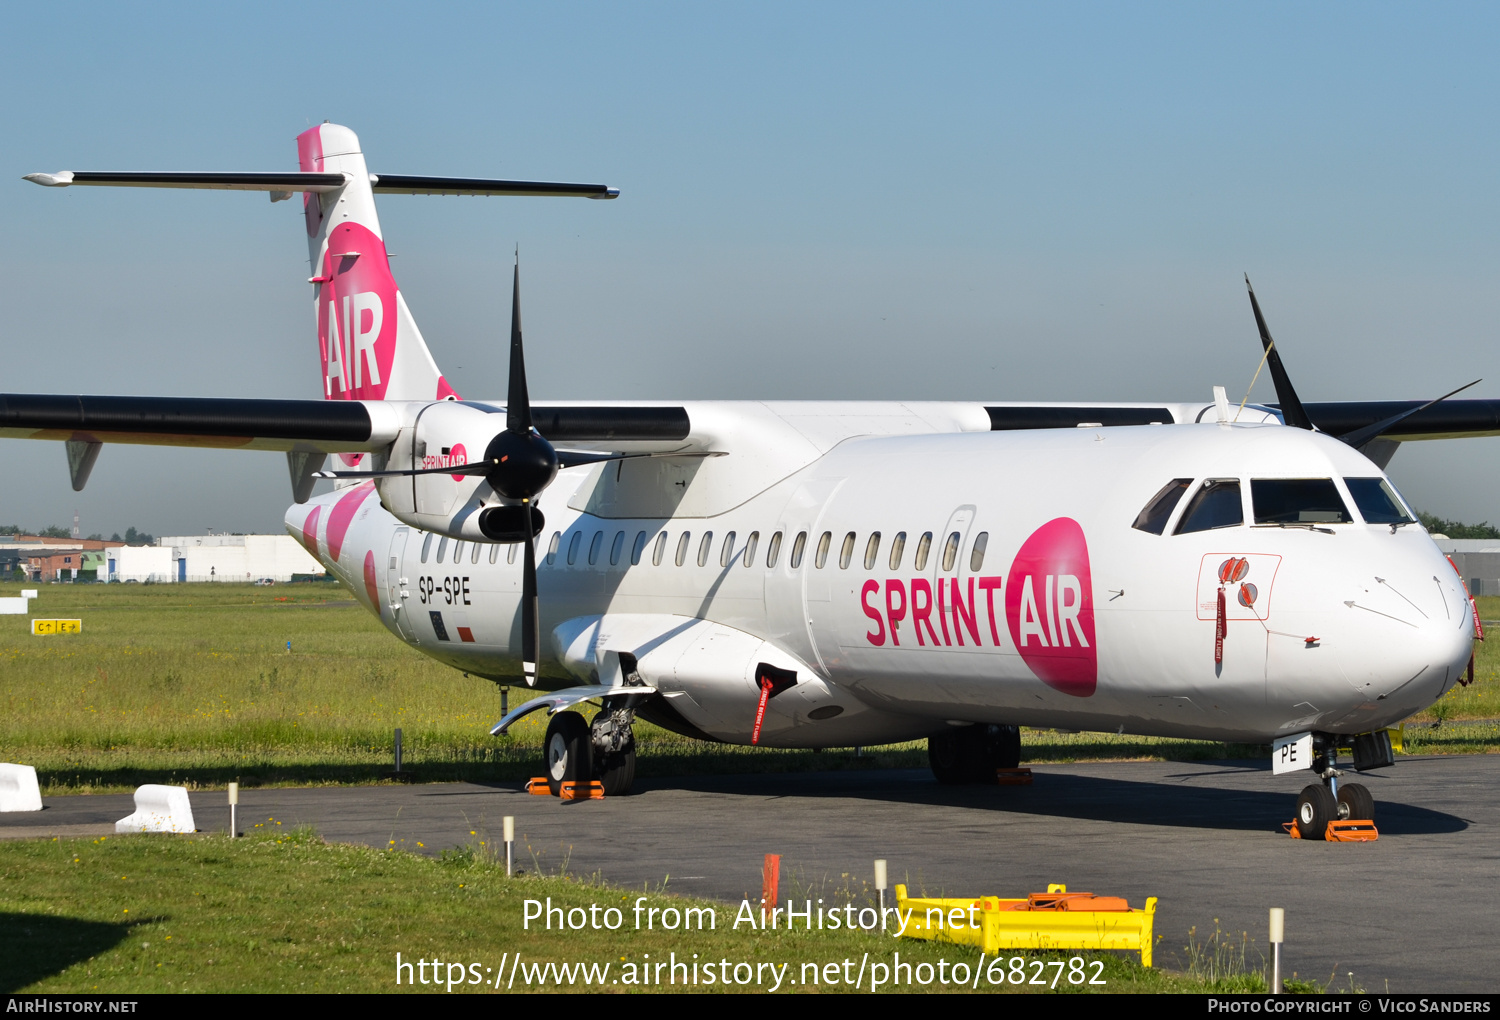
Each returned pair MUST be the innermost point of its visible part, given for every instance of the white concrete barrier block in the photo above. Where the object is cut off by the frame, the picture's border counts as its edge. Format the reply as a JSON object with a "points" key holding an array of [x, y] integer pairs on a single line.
{"points": [[13, 607], [28, 593], [159, 809], [18, 789]]}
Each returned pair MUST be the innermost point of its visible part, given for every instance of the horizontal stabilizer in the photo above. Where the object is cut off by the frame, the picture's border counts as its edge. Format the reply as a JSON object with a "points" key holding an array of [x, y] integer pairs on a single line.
{"points": [[286, 183]]}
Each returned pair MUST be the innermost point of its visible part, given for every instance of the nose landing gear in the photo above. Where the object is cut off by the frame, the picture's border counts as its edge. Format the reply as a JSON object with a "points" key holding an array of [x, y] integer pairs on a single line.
{"points": [[1333, 801]]}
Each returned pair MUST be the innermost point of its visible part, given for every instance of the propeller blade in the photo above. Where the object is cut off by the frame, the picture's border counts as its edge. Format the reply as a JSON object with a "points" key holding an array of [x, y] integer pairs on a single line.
{"points": [[517, 403], [478, 467], [1291, 408], [1359, 437], [530, 638]]}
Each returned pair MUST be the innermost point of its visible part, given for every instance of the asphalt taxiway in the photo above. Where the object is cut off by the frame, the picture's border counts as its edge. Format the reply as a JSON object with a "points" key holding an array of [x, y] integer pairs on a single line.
{"points": [[1416, 911]]}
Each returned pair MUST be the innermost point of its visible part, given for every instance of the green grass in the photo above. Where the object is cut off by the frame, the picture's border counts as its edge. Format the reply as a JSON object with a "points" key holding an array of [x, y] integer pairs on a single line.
{"points": [[193, 685], [127, 914]]}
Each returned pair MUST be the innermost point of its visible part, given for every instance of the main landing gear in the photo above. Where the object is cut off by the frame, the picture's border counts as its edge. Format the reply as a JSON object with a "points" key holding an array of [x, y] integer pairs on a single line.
{"points": [[1333, 800], [971, 754], [603, 750]]}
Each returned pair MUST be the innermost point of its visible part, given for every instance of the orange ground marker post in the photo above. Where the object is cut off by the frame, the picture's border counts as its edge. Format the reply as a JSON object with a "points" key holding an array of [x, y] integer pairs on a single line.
{"points": [[770, 883]]}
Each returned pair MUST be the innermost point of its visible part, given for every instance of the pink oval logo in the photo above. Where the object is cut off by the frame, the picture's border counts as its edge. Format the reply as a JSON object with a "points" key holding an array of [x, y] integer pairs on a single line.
{"points": [[1049, 605], [310, 530], [372, 588], [342, 515], [356, 315]]}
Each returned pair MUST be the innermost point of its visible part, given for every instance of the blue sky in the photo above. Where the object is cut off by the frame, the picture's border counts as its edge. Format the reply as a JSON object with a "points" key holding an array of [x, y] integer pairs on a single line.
{"points": [[818, 200]]}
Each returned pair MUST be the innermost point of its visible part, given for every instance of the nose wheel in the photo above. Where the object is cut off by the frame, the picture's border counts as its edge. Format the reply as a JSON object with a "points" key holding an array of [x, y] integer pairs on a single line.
{"points": [[1332, 800]]}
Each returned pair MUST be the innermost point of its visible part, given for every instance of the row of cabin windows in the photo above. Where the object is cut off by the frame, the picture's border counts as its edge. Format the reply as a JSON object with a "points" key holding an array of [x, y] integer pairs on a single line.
{"points": [[728, 551], [1275, 502]]}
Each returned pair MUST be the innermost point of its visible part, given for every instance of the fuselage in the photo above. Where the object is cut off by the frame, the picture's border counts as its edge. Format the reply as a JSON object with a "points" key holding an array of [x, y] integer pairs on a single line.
{"points": [[913, 581]]}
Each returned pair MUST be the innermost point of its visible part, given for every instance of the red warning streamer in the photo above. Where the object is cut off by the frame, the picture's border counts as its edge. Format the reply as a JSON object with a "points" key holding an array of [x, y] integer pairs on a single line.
{"points": [[760, 711], [1221, 628]]}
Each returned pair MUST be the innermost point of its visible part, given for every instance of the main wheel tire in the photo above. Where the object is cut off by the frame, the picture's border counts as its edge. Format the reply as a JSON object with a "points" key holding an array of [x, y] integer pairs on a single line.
{"points": [[617, 773], [1356, 801], [947, 754], [1004, 749], [1315, 809], [569, 751]]}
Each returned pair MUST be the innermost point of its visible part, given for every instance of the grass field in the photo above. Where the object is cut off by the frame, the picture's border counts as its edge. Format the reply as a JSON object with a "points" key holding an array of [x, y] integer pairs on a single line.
{"points": [[194, 685], [130, 914]]}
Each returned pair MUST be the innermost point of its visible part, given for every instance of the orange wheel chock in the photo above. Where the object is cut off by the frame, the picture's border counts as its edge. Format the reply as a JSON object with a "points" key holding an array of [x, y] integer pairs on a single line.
{"points": [[1013, 777], [1351, 830]]}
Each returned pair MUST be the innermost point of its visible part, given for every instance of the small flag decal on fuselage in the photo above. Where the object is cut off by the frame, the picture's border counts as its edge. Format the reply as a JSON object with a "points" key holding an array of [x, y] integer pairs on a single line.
{"points": [[437, 625]]}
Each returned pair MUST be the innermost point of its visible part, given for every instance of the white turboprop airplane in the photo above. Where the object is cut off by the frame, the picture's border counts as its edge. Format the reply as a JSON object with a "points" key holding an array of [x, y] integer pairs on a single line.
{"points": [[746, 571]]}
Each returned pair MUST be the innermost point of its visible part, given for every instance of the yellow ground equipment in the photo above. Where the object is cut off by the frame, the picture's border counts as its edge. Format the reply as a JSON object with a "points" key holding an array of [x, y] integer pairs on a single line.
{"points": [[1056, 919]]}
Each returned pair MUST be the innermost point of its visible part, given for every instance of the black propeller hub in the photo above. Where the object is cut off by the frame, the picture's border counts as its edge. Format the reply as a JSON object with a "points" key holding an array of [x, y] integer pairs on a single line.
{"points": [[521, 464]]}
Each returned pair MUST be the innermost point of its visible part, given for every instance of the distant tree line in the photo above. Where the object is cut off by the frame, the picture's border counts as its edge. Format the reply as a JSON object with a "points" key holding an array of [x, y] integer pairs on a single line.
{"points": [[132, 536], [1457, 529]]}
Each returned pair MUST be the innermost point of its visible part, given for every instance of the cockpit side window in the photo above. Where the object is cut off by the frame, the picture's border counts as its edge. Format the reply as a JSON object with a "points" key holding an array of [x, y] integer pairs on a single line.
{"points": [[1377, 501], [1153, 516], [1297, 501], [1215, 505]]}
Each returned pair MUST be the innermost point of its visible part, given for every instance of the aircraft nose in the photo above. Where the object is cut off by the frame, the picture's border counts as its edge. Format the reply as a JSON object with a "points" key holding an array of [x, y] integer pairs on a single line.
{"points": [[1415, 638]]}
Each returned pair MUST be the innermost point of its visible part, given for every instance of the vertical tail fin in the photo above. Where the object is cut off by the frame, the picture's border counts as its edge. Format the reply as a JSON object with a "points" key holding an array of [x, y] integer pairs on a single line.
{"points": [[368, 344]]}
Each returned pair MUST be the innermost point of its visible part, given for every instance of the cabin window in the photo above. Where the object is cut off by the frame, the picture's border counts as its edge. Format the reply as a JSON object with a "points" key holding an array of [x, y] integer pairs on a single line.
{"points": [[799, 544], [660, 549], [474, 555], [846, 551], [682, 547], [898, 546], [426, 546], [616, 548], [750, 544], [704, 547], [595, 545], [515, 547], [551, 547], [1377, 501], [976, 555], [872, 550], [573, 547], [1153, 516], [950, 550], [495, 552], [822, 555], [458, 551], [638, 547], [1297, 501], [1215, 505], [442, 548], [727, 553], [924, 546], [773, 550]]}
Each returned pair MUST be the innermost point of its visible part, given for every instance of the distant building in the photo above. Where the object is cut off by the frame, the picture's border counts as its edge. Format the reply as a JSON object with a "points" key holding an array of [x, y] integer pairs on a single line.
{"points": [[1477, 560], [52, 559], [226, 558]]}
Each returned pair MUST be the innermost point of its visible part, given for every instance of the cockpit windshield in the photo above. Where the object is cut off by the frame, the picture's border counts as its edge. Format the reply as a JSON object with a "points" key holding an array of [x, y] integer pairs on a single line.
{"points": [[1215, 505], [1377, 501], [1153, 516], [1297, 501]]}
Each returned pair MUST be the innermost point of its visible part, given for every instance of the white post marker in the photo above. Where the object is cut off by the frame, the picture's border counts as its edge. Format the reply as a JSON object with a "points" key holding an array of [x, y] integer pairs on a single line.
{"points": [[18, 788], [880, 886], [234, 803], [510, 841], [1278, 935]]}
